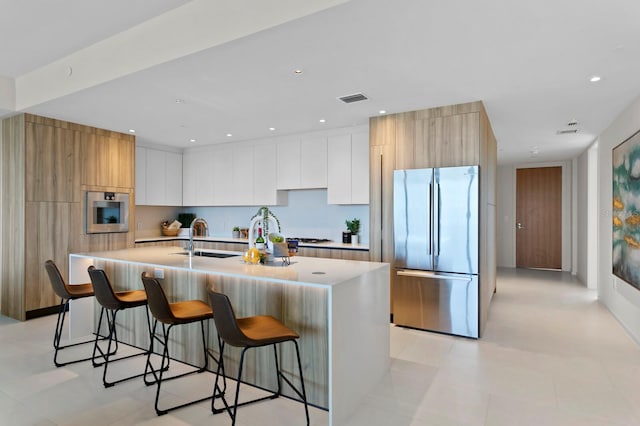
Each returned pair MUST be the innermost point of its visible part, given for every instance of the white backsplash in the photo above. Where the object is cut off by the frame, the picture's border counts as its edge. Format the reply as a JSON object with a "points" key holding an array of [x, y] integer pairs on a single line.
{"points": [[307, 214]]}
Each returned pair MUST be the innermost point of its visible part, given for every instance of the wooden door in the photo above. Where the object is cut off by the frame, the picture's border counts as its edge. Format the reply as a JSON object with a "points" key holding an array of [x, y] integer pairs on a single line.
{"points": [[539, 218]]}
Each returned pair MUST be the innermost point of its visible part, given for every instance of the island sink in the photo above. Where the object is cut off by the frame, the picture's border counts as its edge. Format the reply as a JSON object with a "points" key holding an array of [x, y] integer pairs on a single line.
{"points": [[210, 254]]}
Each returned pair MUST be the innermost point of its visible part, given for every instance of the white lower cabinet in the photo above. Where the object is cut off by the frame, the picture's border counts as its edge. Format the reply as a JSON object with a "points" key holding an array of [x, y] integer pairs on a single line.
{"points": [[158, 177]]}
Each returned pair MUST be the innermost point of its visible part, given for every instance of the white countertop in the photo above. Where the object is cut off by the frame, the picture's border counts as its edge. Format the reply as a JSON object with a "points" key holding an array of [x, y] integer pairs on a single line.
{"points": [[327, 245], [311, 271]]}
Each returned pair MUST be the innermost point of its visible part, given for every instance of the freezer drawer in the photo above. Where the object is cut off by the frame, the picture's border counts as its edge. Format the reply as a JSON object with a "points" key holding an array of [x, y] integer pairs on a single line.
{"points": [[446, 303]]}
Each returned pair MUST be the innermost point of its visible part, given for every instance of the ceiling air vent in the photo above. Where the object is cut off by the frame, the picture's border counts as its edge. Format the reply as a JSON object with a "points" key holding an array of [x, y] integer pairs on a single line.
{"points": [[356, 97], [566, 131]]}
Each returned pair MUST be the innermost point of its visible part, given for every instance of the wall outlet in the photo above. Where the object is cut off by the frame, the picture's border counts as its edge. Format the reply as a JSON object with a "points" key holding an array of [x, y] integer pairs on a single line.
{"points": [[158, 273]]}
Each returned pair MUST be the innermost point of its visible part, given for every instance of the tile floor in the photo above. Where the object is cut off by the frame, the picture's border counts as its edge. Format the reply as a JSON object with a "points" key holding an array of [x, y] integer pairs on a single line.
{"points": [[550, 355]]}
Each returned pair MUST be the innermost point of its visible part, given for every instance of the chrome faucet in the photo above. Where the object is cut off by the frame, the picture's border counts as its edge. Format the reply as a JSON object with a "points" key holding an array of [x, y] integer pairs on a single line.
{"points": [[200, 223]]}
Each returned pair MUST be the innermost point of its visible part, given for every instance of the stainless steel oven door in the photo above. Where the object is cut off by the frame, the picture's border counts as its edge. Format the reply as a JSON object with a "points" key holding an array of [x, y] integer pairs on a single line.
{"points": [[107, 212]]}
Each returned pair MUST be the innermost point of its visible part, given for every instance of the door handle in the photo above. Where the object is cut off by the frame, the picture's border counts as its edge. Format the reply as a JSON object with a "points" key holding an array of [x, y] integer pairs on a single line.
{"points": [[520, 226]]}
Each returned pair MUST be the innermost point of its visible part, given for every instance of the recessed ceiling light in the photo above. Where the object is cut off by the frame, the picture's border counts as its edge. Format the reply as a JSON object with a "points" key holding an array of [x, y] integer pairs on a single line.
{"points": [[192, 140], [382, 111], [132, 131], [272, 128], [322, 120], [297, 71], [595, 78], [229, 135]]}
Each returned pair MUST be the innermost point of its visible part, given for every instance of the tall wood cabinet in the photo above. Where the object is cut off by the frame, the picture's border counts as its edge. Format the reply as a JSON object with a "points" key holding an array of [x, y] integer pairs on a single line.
{"points": [[47, 166], [455, 135]]}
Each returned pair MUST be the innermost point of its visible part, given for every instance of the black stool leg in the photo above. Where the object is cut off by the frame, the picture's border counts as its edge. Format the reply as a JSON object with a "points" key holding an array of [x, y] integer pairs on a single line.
{"points": [[164, 366], [278, 375], [232, 410], [235, 403], [96, 347], [113, 337], [304, 393], [64, 304]]}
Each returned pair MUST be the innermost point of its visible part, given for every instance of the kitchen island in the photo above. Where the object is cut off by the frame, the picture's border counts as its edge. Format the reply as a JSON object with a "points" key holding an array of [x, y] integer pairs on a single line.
{"points": [[339, 308]]}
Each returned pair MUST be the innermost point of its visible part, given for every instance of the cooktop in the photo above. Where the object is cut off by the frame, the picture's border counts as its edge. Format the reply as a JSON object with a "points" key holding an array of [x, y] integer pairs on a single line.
{"points": [[309, 240]]}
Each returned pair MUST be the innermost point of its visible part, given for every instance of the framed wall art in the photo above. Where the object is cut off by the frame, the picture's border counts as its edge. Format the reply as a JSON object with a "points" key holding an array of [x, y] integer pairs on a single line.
{"points": [[626, 210]]}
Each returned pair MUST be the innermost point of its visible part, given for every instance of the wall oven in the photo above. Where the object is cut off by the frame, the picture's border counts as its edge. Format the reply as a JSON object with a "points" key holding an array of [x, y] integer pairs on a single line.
{"points": [[107, 212]]}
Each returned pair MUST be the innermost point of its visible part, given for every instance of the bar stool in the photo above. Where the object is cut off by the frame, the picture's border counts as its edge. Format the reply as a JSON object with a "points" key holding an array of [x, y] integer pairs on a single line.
{"points": [[66, 293], [170, 314], [251, 332], [114, 302]]}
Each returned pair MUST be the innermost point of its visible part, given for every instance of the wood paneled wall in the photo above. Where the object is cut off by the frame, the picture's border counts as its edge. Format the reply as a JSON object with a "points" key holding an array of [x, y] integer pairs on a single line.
{"points": [[454, 135], [47, 167], [13, 217]]}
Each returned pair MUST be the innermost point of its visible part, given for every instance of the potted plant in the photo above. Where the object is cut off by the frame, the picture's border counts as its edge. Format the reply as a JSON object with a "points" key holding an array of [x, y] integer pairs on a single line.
{"points": [[354, 227], [236, 232]]}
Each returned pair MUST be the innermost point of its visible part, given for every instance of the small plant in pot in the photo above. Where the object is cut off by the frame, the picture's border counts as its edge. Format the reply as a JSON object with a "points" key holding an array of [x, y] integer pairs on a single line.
{"points": [[236, 232], [354, 227]]}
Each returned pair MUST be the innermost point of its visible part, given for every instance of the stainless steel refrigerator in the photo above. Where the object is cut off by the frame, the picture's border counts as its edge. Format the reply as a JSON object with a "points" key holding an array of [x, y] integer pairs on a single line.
{"points": [[436, 249]]}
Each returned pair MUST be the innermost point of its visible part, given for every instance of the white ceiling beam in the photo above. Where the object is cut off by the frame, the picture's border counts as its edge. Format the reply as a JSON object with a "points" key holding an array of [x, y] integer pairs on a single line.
{"points": [[196, 26], [7, 95]]}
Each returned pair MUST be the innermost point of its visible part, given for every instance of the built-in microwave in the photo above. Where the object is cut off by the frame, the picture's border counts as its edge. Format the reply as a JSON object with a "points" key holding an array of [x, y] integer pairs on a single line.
{"points": [[107, 212]]}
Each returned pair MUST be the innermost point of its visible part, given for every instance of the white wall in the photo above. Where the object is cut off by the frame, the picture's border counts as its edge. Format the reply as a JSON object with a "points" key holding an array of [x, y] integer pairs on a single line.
{"points": [[622, 299], [592, 217], [307, 214], [506, 217], [582, 226], [507, 211], [586, 217], [1, 143]]}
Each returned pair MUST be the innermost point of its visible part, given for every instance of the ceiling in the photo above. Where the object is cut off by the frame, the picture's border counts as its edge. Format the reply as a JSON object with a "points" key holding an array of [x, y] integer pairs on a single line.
{"points": [[177, 70]]}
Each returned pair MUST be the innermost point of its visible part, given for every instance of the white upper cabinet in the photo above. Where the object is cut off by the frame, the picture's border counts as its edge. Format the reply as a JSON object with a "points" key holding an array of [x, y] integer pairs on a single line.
{"points": [[288, 169], [265, 176], [313, 163], [348, 169], [158, 177], [222, 165], [197, 177], [243, 171], [302, 164], [238, 174], [173, 179]]}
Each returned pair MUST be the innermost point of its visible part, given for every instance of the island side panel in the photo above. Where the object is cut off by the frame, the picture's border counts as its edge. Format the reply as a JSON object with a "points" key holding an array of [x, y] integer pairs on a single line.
{"points": [[359, 341], [302, 308]]}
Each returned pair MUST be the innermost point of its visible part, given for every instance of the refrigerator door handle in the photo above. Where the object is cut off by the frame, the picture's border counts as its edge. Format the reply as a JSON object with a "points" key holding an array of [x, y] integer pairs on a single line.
{"points": [[438, 212], [428, 274], [430, 219]]}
